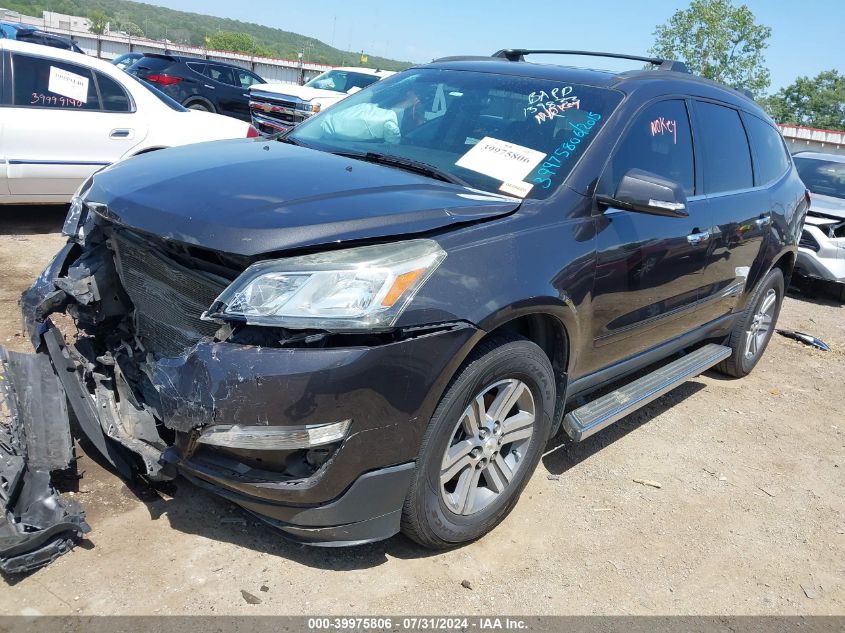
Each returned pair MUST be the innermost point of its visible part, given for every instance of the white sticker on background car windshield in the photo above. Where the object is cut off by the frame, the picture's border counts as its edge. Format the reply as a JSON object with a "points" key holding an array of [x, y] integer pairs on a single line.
{"points": [[501, 160], [68, 84], [519, 189]]}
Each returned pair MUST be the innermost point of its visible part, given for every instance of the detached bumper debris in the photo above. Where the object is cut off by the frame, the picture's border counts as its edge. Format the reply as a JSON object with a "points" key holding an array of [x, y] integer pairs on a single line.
{"points": [[807, 339], [37, 525]]}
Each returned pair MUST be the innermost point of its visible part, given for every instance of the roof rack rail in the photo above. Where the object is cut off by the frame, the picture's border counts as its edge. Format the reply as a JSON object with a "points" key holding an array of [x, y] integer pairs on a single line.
{"points": [[518, 55], [461, 58]]}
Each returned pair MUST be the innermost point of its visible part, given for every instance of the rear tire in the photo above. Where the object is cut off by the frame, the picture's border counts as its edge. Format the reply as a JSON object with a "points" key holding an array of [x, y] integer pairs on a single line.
{"points": [[482, 444], [754, 328], [200, 107]]}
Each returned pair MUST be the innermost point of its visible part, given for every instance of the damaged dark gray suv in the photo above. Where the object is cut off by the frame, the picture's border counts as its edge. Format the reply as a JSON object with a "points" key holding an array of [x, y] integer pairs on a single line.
{"points": [[377, 323]]}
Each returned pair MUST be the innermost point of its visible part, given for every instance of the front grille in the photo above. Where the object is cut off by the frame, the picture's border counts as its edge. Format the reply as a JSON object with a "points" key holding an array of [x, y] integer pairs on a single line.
{"points": [[277, 102], [168, 298], [290, 115], [278, 116], [808, 241]]}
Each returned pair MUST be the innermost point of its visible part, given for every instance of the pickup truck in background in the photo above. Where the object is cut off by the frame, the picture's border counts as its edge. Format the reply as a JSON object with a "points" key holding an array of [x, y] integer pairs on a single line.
{"points": [[278, 107]]}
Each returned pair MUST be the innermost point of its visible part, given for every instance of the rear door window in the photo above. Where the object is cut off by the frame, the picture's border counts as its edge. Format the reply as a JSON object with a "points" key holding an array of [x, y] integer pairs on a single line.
{"points": [[660, 142], [771, 158], [49, 83], [725, 152]]}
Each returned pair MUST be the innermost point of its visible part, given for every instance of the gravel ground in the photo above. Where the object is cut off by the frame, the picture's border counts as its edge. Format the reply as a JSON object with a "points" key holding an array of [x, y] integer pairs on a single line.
{"points": [[749, 518]]}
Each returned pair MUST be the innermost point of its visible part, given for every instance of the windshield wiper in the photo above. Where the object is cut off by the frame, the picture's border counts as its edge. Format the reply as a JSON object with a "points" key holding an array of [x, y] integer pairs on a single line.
{"points": [[284, 137], [407, 164]]}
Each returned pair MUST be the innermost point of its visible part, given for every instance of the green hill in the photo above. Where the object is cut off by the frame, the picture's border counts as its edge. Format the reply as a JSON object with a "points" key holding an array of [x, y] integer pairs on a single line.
{"points": [[194, 28]]}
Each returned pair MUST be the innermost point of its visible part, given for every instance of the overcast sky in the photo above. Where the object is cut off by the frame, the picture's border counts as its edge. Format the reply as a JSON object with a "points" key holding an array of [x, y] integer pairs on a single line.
{"points": [[807, 35]]}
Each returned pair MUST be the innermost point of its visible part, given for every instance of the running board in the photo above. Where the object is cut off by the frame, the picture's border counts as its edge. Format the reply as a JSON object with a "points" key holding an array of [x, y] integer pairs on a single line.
{"points": [[591, 418]]}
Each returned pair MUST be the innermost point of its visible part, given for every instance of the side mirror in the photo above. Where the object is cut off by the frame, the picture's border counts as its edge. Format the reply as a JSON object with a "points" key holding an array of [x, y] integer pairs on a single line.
{"points": [[648, 193]]}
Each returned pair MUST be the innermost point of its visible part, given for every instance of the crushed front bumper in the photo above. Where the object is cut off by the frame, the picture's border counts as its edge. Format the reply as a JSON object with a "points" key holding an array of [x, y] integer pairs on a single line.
{"points": [[147, 414], [37, 524], [355, 497], [821, 251]]}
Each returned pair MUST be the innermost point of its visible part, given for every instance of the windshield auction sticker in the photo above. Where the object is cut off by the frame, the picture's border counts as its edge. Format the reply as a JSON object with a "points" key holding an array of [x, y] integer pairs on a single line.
{"points": [[518, 189], [68, 84], [501, 160]]}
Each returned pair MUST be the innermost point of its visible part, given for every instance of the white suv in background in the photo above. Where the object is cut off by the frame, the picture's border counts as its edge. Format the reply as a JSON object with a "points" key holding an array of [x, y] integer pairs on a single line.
{"points": [[278, 107], [64, 116], [821, 251]]}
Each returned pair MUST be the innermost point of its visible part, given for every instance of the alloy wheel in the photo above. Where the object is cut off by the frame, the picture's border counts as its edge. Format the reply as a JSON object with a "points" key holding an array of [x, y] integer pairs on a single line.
{"points": [[487, 447], [761, 324]]}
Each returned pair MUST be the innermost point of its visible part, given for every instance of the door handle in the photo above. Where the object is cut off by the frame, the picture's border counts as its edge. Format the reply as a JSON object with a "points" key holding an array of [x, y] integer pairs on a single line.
{"points": [[120, 133], [698, 237], [209, 87], [763, 220]]}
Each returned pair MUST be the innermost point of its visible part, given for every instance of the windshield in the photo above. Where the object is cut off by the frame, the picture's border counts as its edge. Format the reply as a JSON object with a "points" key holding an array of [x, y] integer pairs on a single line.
{"points": [[341, 80], [516, 135], [822, 176]]}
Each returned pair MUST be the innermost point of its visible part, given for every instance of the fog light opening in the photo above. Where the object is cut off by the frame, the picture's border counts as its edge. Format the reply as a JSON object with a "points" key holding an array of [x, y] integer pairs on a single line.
{"points": [[274, 437]]}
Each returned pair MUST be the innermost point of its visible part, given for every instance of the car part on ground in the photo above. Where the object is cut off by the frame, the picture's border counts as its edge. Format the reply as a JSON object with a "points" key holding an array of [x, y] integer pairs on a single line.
{"points": [[807, 339], [378, 321], [37, 524]]}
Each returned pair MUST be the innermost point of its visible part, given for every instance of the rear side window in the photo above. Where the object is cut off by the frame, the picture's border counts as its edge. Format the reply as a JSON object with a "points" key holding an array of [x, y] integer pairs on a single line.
{"points": [[197, 67], [725, 152], [49, 83], [771, 158], [660, 142], [114, 97]]}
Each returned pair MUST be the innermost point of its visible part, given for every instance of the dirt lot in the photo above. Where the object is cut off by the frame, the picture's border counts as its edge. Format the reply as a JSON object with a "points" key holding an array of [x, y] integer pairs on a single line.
{"points": [[750, 518]]}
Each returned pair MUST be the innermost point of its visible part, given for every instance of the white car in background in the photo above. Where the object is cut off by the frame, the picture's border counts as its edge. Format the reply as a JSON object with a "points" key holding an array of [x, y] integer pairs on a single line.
{"points": [[64, 115], [278, 107]]}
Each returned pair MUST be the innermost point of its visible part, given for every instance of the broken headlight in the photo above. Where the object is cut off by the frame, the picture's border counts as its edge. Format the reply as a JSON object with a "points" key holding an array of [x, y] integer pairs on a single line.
{"points": [[354, 289], [74, 217]]}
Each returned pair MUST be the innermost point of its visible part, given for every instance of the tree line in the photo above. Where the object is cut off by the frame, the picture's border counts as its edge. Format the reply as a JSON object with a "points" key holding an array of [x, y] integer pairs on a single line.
{"points": [[716, 39], [181, 27], [723, 42]]}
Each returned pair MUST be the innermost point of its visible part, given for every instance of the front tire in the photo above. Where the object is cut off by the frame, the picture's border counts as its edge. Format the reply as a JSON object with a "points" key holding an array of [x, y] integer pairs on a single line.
{"points": [[200, 107], [482, 444], [754, 328]]}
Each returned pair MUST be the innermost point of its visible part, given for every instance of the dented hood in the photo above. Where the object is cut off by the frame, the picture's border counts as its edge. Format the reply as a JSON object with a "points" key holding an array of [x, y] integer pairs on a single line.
{"points": [[828, 205], [249, 197]]}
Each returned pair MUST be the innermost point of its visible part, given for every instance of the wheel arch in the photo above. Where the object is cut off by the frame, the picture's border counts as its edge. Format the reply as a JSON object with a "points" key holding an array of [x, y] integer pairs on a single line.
{"points": [[784, 260], [786, 263], [549, 333]]}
